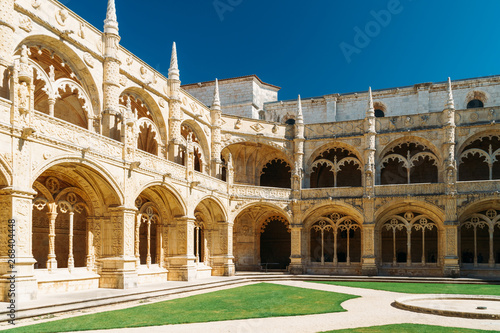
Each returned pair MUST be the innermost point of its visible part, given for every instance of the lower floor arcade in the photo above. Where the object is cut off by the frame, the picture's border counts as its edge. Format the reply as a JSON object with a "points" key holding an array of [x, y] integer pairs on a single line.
{"points": [[76, 232]]}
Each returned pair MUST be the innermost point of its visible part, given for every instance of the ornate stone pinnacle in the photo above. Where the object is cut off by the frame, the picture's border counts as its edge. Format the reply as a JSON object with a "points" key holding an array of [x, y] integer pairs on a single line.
{"points": [[111, 22], [216, 103], [450, 104], [174, 66], [371, 107], [300, 115]]}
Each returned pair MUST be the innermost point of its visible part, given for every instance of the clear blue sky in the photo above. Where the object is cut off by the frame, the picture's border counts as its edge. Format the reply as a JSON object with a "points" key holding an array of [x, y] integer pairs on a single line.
{"points": [[297, 44]]}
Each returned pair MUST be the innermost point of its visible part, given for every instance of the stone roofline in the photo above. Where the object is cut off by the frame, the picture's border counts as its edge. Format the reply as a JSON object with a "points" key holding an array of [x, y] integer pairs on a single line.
{"points": [[388, 92], [234, 80]]}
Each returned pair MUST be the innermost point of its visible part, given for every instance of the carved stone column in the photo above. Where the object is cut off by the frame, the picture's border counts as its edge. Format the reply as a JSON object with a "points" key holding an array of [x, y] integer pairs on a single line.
{"points": [[222, 260], [448, 239], [51, 259], [17, 205], [119, 267], [368, 256], [296, 263], [7, 29], [182, 265]]}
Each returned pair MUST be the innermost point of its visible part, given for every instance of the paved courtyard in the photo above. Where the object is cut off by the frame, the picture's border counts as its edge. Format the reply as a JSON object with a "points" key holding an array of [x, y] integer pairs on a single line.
{"points": [[371, 309]]}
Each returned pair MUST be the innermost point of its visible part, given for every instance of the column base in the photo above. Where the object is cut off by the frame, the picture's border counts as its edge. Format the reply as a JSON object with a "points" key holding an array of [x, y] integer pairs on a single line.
{"points": [[182, 269], [369, 267], [21, 284], [451, 267], [296, 269], [223, 266], [118, 273]]}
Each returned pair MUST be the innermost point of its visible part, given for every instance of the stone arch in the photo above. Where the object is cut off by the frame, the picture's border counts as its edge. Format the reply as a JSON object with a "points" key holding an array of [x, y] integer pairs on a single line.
{"points": [[479, 236], [73, 60], [335, 144], [409, 159], [249, 225], [409, 235], [478, 95], [479, 157], [332, 234], [249, 158], [168, 194], [200, 144], [217, 202], [335, 158], [322, 208], [378, 105], [156, 114]]}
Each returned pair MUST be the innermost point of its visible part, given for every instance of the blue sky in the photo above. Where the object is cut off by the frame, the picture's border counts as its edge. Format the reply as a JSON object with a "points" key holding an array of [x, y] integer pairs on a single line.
{"points": [[315, 47]]}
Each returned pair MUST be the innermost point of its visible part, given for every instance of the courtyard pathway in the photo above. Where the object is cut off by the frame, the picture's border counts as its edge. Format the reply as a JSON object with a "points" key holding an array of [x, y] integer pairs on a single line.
{"points": [[371, 309]]}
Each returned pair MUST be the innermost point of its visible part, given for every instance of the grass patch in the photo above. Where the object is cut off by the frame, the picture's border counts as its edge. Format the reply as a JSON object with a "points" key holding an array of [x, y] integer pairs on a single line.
{"points": [[254, 301], [422, 288], [408, 328]]}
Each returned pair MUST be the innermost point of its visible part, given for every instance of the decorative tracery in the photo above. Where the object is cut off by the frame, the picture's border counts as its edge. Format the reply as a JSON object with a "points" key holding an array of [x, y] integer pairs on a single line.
{"points": [[147, 230], [59, 200], [335, 225], [408, 223], [482, 225], [336, 167], [409, 162], [480, 159]]}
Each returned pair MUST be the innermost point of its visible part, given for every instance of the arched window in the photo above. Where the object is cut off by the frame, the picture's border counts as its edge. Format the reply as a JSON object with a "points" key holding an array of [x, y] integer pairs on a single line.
{"points": [[198, 156], [409, 163], [336, 167], [480, 160], [58, 90], [409, 238], [480, 239], [379, 113], [276, 173], [290, 121], [335, 238], [475, 103]]}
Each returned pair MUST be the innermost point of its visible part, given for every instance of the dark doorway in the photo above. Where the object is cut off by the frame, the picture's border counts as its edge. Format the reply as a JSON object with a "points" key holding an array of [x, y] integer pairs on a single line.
{"points": [[275, 245]]}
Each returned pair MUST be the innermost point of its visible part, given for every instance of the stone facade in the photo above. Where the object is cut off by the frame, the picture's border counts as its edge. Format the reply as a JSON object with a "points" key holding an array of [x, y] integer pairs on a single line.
{"points": [[117, 176]]}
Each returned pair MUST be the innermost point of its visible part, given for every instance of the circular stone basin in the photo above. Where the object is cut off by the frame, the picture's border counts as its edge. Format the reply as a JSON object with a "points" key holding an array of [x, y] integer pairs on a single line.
{"points": [[465, 306]]}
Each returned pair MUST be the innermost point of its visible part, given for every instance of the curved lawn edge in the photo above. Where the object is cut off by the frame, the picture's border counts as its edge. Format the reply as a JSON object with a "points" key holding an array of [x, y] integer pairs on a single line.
{"points": [[262, 300], [409, 328]]}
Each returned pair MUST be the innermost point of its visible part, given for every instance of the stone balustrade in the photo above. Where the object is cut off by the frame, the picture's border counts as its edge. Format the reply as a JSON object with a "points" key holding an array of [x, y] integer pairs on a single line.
{"points": [[332, 192], [409, 189], [261, 192]]}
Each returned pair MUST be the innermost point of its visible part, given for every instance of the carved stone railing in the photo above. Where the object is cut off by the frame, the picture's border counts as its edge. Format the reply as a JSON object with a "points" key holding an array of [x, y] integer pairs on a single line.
{"points": [[160, 165], [210, 182], [409, 122], [478, 186], [60, 131], [332, 192], [333, 130], [478, 116], [261, 192], [409, 189]]}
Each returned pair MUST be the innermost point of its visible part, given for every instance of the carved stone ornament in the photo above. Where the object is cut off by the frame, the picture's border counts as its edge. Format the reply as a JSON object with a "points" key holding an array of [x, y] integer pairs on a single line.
{"points": [[129, 61], [25, 23], [89, 60], [36, 4], [275, 129], [144, 71], [237, 125], [81, 31], [24, 97], [257, 127], [62, 16], [123, 80], [162, 103]]}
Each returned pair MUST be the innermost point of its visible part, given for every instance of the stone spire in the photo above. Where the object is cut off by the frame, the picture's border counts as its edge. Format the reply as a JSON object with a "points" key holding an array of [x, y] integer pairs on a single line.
{"points": [[216, 102], [111, 22], [300, 115], [173, 71], [450, 104], [371, 108]]}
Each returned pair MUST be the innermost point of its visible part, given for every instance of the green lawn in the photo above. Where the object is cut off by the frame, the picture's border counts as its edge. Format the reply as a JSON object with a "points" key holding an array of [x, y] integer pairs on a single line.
{"points": [[253, 301], [408, 328], [423, 288]]}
